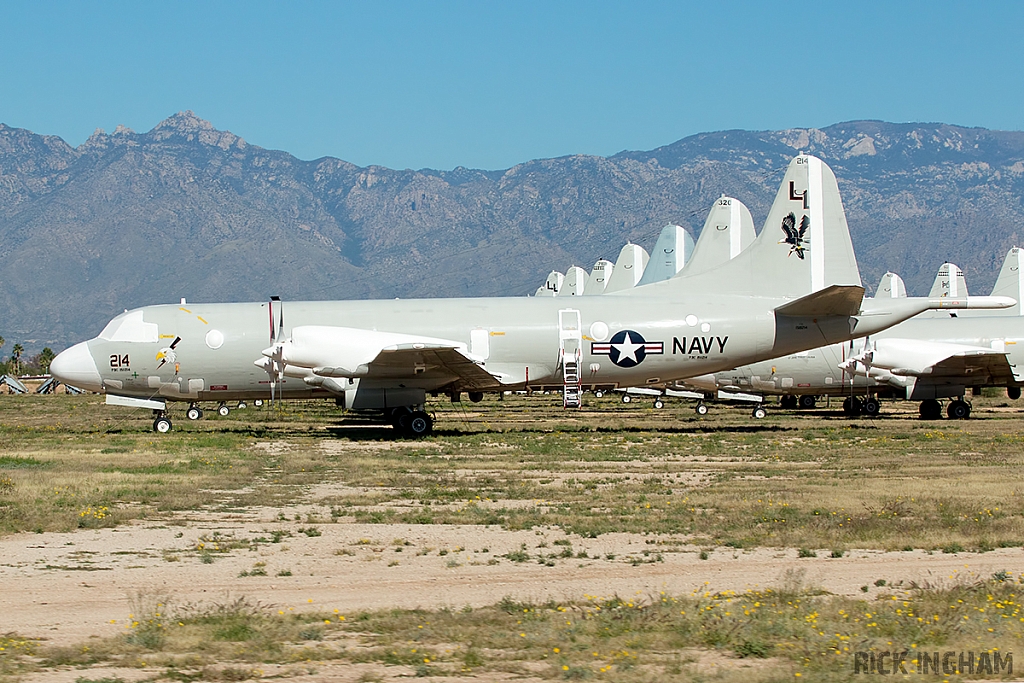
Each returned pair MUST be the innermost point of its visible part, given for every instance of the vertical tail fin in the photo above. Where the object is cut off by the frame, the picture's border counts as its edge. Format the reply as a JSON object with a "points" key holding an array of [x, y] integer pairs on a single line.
{"points": [[629, 268], [671, 252], [728, 230], [1011, 281], [575, 282], [949, 282], [551, 285], [891, 287], [804, 247], [598, 279]]}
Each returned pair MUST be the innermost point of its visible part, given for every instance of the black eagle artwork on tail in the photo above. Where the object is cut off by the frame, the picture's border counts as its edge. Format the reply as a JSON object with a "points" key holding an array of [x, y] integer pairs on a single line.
{"points": [[795, 236]]}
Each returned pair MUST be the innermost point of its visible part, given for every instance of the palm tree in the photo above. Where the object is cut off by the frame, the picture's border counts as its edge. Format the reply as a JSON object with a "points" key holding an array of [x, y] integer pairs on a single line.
{"points": [[16, 352], [45, 358]]}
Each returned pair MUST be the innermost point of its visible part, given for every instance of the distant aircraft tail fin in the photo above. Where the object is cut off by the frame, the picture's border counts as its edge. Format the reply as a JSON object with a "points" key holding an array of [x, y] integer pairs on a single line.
{"points": [[891, 287], [629, 268], [1011, 280], [949, 282], [552, 284], [598, 278], [804, 247], [671, 252], [1009, 283], [728, 230], [575, 282]]}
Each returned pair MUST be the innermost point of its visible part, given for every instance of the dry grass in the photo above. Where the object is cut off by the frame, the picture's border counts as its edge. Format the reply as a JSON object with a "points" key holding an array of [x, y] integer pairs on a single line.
{"points": [[764, 635], [812, 480], [815, 481]]}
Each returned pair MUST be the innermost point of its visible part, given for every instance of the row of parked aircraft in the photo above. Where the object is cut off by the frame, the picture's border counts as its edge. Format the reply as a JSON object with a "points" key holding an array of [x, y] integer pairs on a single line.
{"points": [[937, 354], [793, 288]]}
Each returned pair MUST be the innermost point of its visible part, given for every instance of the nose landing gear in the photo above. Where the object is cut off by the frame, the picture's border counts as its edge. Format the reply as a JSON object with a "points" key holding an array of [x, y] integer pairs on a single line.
{"points": [[162, 424]]}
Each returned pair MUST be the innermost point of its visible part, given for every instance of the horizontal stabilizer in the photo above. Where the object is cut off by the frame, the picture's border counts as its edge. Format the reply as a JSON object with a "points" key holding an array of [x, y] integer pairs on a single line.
{"points": [[974, 302], [833, 300]]}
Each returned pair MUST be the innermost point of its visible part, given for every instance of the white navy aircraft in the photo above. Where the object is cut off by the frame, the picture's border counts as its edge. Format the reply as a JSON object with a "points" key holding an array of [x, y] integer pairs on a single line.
{"points": [[796, 287], [932, 356]]}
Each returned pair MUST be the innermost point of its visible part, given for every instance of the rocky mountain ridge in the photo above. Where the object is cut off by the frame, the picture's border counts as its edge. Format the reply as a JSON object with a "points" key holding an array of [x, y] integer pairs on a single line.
{"points": [[186, 210]]}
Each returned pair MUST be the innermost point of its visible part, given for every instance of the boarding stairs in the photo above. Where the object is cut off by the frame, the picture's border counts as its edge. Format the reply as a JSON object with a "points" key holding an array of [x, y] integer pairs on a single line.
{"points": [[570, 355]]}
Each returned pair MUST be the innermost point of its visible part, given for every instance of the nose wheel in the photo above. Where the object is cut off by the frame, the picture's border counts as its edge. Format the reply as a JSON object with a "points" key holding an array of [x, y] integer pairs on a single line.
{"points": [[162, 424]]}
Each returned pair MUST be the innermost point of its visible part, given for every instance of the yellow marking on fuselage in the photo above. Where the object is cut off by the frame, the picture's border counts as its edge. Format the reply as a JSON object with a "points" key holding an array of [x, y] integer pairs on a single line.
{"points": [[497, 334], [202, 320], [167, 336], [184, 309]]}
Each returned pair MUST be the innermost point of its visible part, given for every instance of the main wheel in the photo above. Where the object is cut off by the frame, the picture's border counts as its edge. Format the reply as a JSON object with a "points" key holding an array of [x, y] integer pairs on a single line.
{"points": [[807, 401], [930, 409], [242, 405], [258, 402], [871, 406], [852, 405], [223, 410], [598, 394], [788, 402], [419, 424], [476, 396], [162, 425], [193, 413], [659, 404], [701, 409], [626, 398], [958, 410], [759, 413], [1013, 393]]}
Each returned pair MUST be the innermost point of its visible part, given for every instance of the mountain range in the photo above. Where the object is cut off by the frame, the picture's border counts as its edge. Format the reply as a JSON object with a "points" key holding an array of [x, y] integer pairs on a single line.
{"points": [[186, 210]]}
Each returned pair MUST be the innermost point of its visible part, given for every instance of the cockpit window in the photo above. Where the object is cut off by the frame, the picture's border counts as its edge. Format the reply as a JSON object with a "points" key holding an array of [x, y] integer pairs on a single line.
{"points": [[130, 327]]}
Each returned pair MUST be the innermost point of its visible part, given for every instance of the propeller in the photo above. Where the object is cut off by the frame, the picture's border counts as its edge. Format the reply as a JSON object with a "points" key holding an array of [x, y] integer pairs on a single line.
{"points": [[275, 368]]}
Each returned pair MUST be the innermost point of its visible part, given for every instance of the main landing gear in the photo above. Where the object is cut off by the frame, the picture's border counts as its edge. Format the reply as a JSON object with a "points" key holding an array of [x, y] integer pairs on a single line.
{"points": [[412, 423], [803, 401], [871, 406], [957, 409]]}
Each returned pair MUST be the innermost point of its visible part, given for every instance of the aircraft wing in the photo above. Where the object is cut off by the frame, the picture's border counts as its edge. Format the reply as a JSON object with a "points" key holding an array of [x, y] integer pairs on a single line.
{"points": [[938, 361], [431, 362], [987, 367], [359, 353]]}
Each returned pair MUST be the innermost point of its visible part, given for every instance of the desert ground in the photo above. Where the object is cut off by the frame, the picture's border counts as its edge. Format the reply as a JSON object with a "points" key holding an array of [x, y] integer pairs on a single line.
{"points": [[520, 541]]}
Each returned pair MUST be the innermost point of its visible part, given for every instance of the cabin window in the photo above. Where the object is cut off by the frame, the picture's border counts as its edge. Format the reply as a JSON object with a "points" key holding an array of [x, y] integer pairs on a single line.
{"points": [[130, 327]]}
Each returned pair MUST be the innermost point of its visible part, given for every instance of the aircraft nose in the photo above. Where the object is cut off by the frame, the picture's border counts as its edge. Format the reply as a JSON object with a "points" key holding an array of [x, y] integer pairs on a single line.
{"points": [[76, 366]]}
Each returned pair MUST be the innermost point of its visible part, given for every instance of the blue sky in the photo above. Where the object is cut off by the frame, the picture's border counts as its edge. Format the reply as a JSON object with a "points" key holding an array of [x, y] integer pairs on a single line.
{"points": [[491, 84]]}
